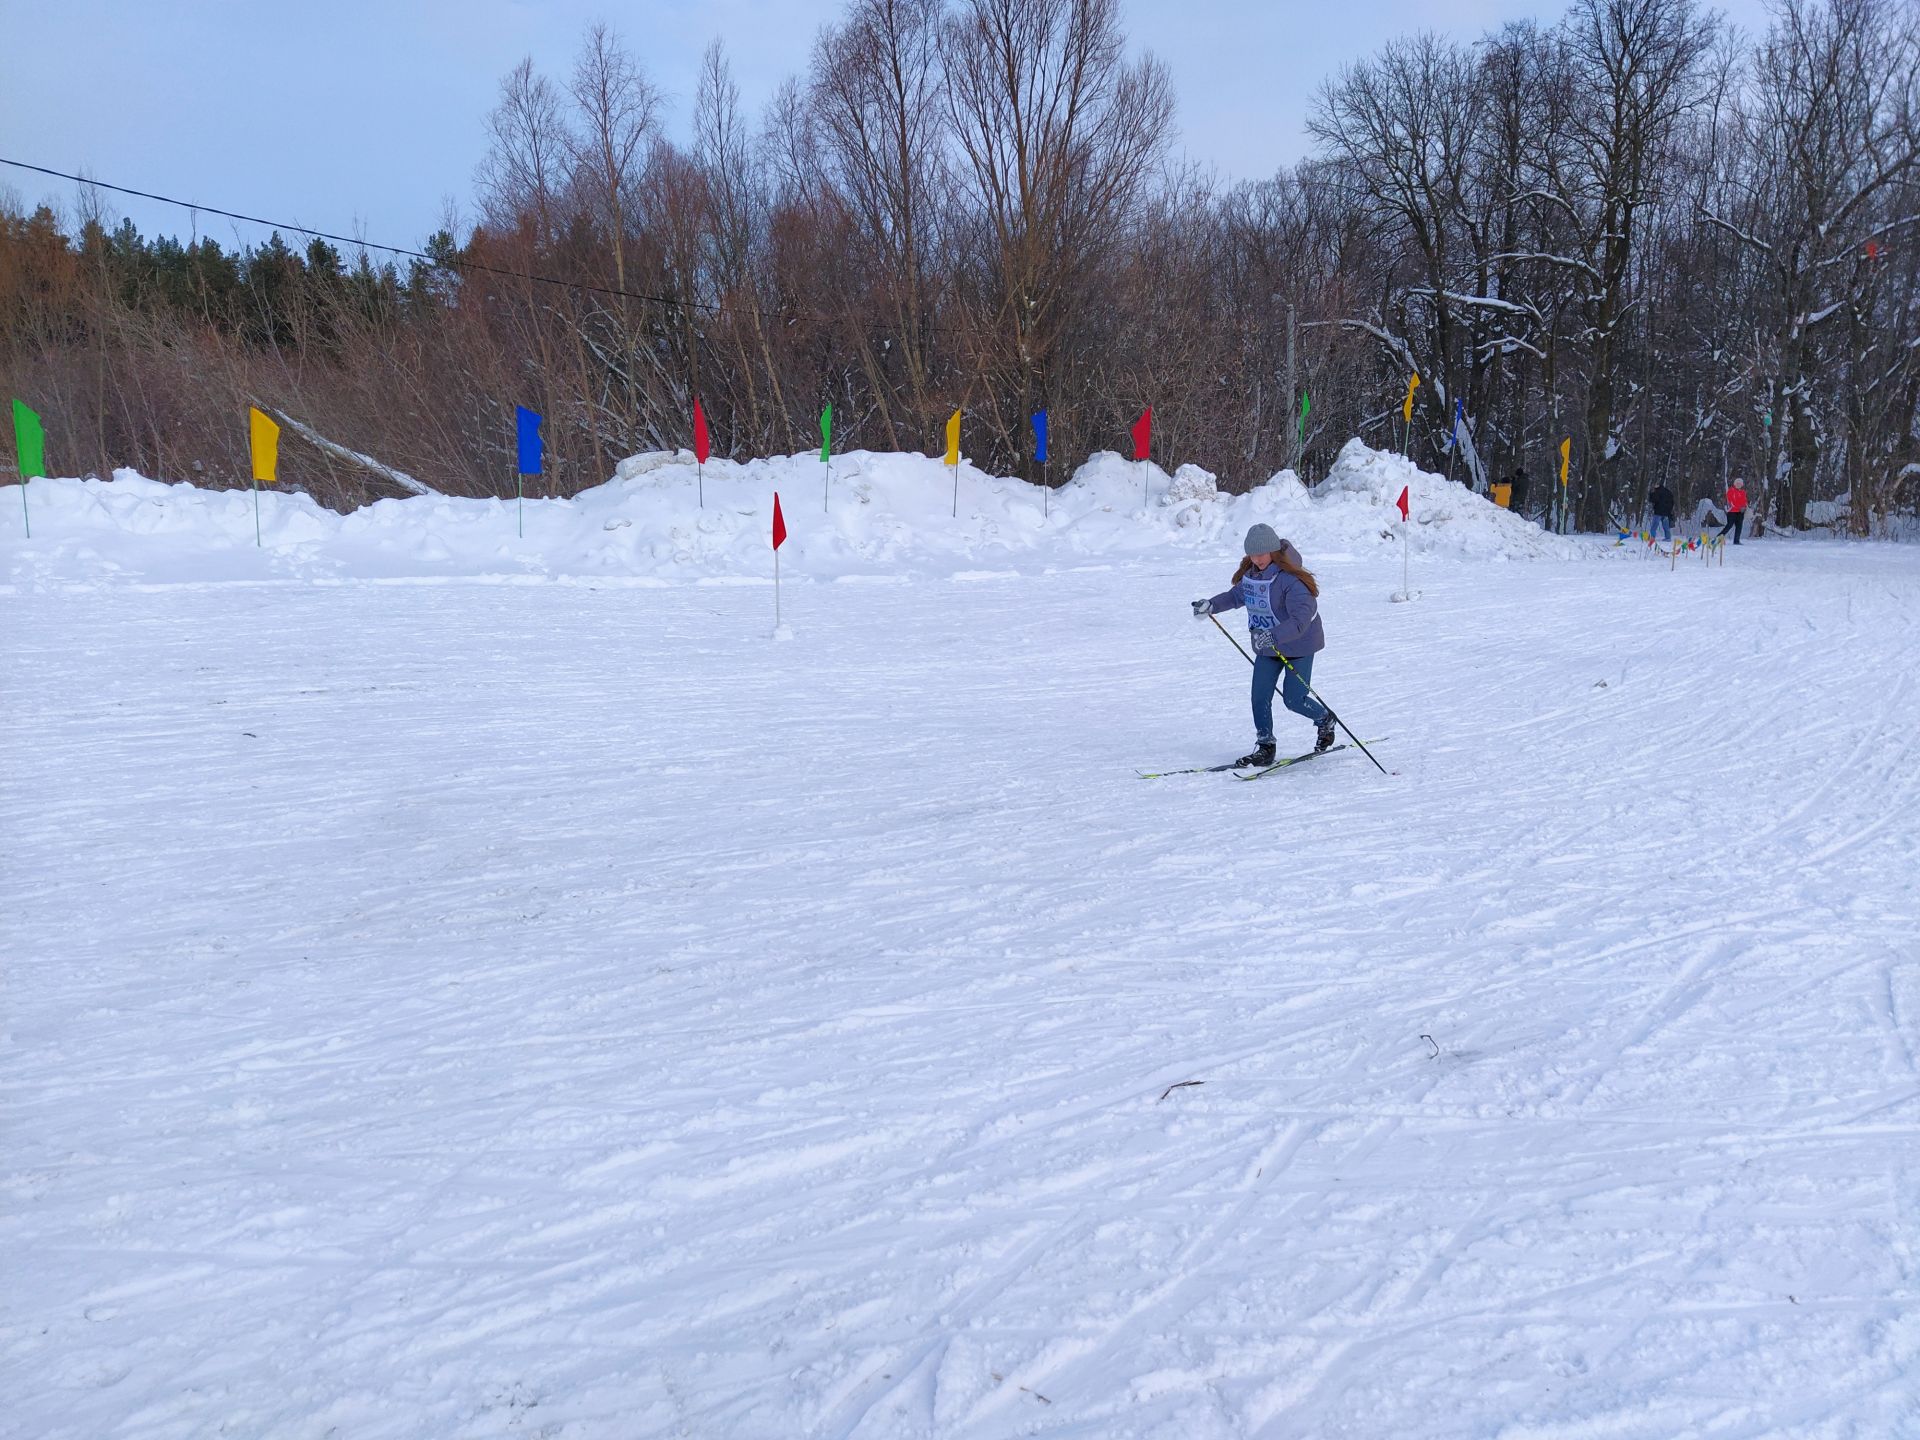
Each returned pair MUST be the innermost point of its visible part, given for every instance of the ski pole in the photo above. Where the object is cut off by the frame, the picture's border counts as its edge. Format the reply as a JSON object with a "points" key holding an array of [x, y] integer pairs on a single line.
{"points": [[1310, 690]]}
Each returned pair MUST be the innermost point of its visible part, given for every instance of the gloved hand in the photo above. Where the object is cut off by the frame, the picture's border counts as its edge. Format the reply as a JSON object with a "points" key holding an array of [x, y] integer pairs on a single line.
{"points": [[1202, 609]]}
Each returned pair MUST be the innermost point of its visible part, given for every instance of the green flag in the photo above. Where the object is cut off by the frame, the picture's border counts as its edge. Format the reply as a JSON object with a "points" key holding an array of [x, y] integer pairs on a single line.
{"points": [[30, 440], [1304, 406], [826, 433]]}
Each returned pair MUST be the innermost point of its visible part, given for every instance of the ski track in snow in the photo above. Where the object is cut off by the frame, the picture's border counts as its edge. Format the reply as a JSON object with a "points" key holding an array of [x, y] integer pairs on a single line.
{"points": [[476, 1011]]}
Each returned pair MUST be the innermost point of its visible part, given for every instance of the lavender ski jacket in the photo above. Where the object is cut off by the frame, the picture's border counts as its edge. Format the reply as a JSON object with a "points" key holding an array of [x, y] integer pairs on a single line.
{"points": [[1282, 615]]}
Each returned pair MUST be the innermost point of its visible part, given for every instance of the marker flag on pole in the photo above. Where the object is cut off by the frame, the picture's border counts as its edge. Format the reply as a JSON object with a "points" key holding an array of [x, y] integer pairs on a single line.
{"points": [[1402, 502], [1566, 453], [1305, 405], [30, 445], [1040, 436], [826, 434], [1459, 414], [1143, 435], [702, 443], [779, 523], [527, 424], [1406, 410], [30, 442], [953, 440], [264, 441]]}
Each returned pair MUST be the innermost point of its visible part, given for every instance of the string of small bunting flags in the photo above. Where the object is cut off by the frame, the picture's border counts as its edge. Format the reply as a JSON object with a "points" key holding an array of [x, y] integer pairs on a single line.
{"points": [[1711, 542], [1707, 546]]}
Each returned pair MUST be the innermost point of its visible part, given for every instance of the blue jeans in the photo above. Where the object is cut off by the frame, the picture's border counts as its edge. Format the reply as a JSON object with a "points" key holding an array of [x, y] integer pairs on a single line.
{"points": [[1662, 527], [1266, 674]]}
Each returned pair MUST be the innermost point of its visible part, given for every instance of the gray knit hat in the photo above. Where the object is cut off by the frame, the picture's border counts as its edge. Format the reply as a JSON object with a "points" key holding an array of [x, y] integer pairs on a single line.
{"points": [[1262, 540]]}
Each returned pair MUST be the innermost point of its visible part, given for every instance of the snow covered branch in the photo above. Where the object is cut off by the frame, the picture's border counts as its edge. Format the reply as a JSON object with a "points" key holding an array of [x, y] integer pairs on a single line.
{"points": [[313, 437]]}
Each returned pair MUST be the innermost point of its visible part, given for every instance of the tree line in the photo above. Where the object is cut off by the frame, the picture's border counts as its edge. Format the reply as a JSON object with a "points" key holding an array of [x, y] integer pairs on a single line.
{"points": [[1693, 252]]}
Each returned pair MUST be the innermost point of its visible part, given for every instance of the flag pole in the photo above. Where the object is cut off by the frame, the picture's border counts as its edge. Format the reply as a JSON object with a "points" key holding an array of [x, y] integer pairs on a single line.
{"points": [[702, 447], [30, 453], [263, 450], [1042, 457], [826, 458], [778, 537], [529, 459]]}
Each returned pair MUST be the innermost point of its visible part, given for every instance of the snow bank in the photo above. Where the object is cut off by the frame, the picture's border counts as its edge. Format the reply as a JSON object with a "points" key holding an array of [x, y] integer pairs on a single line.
{"points": [[885, 515], [1448, 518]]}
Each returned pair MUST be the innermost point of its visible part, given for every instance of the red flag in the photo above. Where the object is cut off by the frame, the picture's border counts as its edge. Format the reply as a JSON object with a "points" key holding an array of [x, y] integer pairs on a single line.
{"points": [[779, 523], [1873, 249], [1143, 434], [701, 446], [1402, 501]]}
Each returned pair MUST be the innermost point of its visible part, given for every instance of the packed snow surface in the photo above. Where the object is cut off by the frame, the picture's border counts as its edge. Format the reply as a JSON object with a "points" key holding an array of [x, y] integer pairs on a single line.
{"points": [[467, 1010], [879, 515]]}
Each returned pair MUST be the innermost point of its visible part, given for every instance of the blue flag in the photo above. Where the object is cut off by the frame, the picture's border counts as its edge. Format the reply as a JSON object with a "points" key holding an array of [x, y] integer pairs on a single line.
{"points": [[1459, 414], [1040, 437], [530, 444]]}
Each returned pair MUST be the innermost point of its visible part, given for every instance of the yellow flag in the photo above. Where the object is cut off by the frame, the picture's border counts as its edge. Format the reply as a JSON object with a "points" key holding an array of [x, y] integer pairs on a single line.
{"points": [[1566, 451], [953, 439], [266, 445], [1406, 410]]}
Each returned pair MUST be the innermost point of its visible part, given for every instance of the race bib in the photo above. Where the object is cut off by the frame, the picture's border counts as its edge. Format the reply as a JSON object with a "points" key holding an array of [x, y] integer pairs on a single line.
{"points": [[1259, 598]]}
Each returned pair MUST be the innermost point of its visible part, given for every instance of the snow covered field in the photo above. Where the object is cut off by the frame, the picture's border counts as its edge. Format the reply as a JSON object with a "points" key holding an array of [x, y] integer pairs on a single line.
{"points": [[471, 1010]]}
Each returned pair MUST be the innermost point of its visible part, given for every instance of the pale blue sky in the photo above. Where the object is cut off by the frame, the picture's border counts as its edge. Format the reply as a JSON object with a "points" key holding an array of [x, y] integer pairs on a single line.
{"points": [[364, 117]]}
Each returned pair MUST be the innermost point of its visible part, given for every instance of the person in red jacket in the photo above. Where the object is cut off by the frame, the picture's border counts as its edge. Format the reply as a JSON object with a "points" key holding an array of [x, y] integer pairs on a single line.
{"points": [[1736, 510]]}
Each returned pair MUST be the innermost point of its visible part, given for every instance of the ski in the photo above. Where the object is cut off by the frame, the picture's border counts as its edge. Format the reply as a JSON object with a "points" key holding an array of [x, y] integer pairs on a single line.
{"points": [[1250, 774], [1290, 760], [1296, 759], [1192, 770]]}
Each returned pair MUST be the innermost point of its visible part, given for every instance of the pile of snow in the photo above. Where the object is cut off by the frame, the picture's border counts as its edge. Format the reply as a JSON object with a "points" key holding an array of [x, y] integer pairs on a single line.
{"points": [[1448, 519], [884, 515]]}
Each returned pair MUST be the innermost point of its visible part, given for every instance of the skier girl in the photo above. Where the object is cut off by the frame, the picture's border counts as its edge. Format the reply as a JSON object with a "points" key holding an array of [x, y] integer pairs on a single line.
{"points": [[1283, 614]]}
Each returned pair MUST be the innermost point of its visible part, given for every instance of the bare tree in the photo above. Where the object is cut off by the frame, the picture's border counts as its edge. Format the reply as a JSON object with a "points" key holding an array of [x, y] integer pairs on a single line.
{"points": [[1060, 137], [1404, 127], [1641, 67], [879, 107], [618, 114], [525, 169], [733, 174], [1818, 182]]}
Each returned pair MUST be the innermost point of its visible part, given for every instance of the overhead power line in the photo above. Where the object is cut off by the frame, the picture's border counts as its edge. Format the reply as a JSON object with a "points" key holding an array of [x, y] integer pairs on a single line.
{"points": [[450, 264]]}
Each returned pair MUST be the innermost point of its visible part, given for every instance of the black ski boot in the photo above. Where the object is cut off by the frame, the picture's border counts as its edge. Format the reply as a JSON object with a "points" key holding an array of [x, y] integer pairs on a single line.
{"points": [[1323, 737], [1261, 757]]}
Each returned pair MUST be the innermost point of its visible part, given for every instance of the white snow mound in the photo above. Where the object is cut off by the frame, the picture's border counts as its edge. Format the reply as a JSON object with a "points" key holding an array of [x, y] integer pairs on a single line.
{"points": [[663, 519]]}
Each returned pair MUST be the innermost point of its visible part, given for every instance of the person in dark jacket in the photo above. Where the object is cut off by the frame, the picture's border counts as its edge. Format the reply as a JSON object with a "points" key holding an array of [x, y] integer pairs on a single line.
{"points": [[1660, 502], [1519, 497], [1281, 599]]}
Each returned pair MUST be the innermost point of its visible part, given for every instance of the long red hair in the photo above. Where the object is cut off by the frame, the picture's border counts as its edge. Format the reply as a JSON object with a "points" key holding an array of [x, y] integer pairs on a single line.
{"points": [[1299, 572]]}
